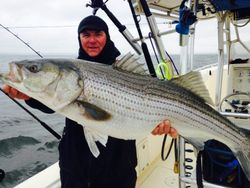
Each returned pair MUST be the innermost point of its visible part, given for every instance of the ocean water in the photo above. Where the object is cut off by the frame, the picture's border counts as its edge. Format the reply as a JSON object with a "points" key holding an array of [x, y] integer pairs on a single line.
{"points": [[26, 147]]}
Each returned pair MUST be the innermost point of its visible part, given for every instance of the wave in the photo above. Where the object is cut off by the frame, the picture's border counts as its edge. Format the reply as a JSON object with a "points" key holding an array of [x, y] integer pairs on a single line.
{"points": [[10, 145], [16, 176], [14, 121], [51, 146]]}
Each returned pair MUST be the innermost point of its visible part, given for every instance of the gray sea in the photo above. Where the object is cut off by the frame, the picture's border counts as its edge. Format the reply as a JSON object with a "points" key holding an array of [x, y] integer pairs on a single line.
{"points": [[26, 147]]}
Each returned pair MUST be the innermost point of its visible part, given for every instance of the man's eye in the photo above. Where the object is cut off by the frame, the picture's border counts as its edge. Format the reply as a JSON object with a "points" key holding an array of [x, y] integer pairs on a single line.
{"points": [[100, 33], [33, 68], [85, 35]]}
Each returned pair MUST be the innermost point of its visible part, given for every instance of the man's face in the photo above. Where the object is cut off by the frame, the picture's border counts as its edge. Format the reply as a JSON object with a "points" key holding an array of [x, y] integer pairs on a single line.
{"points": [[93, 42]]}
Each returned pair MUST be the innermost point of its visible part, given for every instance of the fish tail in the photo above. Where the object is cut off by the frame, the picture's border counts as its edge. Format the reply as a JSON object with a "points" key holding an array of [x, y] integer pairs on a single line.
{"points": [[243, 153], [243, 157]]}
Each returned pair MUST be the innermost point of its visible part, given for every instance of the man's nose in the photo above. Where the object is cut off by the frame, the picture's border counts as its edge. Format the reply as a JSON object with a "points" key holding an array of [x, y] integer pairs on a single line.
{"points": [[92, 39]]}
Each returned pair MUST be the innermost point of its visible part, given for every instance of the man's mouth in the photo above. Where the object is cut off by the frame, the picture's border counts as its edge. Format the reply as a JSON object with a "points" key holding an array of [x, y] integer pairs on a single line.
{"points": [[93, 47]]}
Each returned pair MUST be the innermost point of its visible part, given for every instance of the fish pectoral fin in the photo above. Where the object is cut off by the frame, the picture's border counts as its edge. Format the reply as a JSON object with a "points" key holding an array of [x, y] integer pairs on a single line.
{"points": [[93, 112], [91, 138], [130, 63]]}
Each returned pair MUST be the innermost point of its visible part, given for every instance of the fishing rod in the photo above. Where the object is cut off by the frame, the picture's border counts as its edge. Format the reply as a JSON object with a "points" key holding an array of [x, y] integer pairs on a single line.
{"points": [[48, 128], [159, 45], [2, 174], [35, 117], [143, 44], [153, 74], [96, 4]]}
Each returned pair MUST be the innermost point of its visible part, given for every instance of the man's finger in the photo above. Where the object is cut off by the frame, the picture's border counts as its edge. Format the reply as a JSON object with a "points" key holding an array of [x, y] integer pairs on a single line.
{"points": [[161, 129], [6, 88], [13, 92], [155, 131], [166, 127], [173, 133]]}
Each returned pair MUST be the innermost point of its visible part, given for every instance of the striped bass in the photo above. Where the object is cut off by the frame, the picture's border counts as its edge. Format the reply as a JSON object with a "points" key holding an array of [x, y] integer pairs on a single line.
{"points": [[122, 102]]}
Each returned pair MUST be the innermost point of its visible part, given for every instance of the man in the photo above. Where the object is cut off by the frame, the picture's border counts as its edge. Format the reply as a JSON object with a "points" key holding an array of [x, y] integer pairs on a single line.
{"points": [[115, 166]]}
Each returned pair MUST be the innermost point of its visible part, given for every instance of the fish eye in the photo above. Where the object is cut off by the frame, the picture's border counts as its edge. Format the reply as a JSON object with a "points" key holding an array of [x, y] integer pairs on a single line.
{"points": [[33, 68]]}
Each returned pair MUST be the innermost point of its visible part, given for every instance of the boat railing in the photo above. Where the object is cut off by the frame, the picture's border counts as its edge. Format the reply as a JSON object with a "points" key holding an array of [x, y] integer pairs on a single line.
{"points": [[192, 181], [236, 115], [187, 52]]}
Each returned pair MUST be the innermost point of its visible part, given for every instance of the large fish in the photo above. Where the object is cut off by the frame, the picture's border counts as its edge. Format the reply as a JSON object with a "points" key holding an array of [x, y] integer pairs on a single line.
{"points": [[121, 101]]}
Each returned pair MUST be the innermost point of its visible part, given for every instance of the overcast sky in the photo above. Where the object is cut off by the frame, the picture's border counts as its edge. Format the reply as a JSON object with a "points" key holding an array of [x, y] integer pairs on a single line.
{"points": [[63, 40]]}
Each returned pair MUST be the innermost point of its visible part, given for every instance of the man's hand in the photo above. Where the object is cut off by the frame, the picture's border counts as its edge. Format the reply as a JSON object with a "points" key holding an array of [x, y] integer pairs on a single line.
{"points": [[165, 128], [12, 92]]}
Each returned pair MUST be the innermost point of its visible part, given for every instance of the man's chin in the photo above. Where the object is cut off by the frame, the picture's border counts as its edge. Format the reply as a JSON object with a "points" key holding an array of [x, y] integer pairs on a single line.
{"points": [[93, 53]]}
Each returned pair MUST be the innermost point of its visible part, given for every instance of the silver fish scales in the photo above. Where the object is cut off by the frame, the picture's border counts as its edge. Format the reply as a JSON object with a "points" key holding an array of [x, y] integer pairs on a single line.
{"points": [[122, 102]]}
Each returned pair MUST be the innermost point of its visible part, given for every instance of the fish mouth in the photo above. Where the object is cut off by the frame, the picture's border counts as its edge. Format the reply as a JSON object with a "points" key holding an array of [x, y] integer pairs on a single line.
{"points": [[14, 74]]}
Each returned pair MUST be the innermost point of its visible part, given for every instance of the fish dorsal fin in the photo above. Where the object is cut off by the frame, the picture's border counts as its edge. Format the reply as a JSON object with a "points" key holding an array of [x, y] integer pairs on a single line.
{"points": [[193, 82], [130, 63]]}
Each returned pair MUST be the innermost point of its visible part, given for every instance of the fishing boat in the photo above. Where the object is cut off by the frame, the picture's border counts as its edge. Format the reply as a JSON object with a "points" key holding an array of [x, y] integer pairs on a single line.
{"points": [[228, 81]]}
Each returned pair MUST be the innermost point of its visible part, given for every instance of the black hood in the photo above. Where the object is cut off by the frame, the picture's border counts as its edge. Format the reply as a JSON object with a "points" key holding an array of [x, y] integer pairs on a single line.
{"points": [[109, 52]]}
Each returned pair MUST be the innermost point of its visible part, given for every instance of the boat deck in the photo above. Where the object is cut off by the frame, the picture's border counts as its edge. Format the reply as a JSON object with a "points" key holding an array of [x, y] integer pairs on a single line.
{"points": [[159, 175], [155, 173]]}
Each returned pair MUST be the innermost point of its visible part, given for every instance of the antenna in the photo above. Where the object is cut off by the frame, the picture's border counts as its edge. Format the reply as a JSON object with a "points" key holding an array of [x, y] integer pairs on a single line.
{"points": [[15, 35]]}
